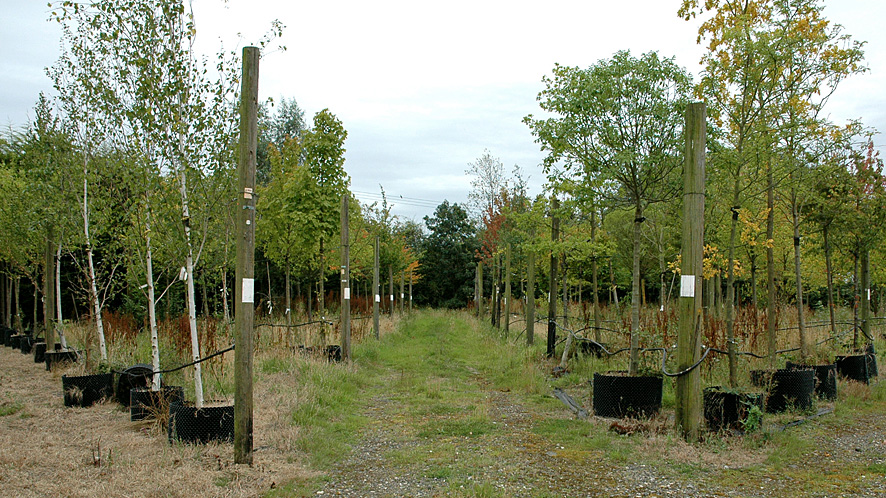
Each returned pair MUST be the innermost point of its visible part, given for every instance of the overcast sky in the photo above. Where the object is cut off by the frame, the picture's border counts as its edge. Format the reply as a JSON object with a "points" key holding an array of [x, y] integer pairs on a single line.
{"points": [[423, 88]]}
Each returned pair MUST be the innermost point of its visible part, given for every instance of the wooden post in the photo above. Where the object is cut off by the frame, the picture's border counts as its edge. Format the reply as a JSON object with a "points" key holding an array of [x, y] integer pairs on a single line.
{"points": [[410, 290], [688, 387], [477, 291], [507, 306], [391, 288], [866, 294], [345, 281], [480, 312], [552, 283], [245, 233], [375, 291], [402, 292]]}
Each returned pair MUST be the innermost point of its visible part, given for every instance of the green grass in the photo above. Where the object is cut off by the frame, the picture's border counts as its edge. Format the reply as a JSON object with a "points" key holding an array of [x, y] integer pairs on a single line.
{"points": [[10, 408]]}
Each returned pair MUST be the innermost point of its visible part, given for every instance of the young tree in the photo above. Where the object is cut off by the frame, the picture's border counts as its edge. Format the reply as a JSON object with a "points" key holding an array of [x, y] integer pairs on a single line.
{"points": [[619, 121]]}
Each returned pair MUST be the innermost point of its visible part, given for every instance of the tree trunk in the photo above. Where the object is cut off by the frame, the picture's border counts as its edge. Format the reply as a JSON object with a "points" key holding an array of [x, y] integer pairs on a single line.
{"points": [[376, 291], [866, 295], [152, 306], [391, 288], [552, 284], [730, 289], [192, 305], [59, 319], [594, 283], [635, 293], [770, 268], [613, 289], [49, 287], [805, 348], [93, 287], [530, 298], [507, 303], [830, 278]]}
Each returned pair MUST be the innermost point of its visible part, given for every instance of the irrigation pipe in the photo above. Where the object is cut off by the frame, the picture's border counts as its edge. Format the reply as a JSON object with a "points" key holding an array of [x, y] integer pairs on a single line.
{"points": [[201, 360]]}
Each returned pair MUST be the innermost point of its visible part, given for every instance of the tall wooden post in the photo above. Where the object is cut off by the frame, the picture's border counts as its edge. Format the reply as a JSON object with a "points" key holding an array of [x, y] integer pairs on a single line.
{"points": [[391, 288], [402, 292], [345, 281], [552, 283], [245, 276], [688, 392], [480, 312], [507, 306], [375, 291]]}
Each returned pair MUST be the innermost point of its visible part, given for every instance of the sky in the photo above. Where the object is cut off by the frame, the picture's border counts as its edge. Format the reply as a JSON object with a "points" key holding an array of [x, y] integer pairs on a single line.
{"points": [[425, 88]]}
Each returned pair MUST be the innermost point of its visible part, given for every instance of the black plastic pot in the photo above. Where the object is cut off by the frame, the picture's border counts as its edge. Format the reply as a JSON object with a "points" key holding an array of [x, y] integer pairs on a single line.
{"points": [[200, 425], [855, 367], [7, 333], [14, 341], [333, 353], [85, 390], [39, 352], [55, 358], [786, 388], [727, 409], [618, 395], [26, 344], [144, 403], [136, 376], [825, 378]]}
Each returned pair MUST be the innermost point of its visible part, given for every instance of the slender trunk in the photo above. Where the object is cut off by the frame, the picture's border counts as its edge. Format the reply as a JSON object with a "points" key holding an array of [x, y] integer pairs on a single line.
{"points": [[805, 348], [754, 300], [152, 306], [507, 306], [565, 293], [17, 321], [93, 287], [856, 298], [288, 296], [49, 287], [59, 319], [770, 267], [402, 293], [730, 289], [321, 305], [830, 279], [594, 283], [192, 305], [410, 290], [552, 283], [226, 309], [635, 293], [530, 297], [613, 289], [480, 312], [7, 318], [205, 294]]}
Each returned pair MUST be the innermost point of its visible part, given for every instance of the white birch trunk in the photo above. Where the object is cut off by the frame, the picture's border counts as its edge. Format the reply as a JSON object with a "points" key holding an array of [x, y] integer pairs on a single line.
{"points": [[192, 305], [152, 306], [93, 288]]}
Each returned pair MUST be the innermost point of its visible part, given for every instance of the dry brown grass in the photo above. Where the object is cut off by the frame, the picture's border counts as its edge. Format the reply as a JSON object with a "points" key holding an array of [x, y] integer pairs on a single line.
{"points": [[50, 450]]}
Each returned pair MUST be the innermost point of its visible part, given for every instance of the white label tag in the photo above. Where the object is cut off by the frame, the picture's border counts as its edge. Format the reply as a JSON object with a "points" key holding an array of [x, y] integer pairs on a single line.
{"points": [[377, 298], [687, 286], [247, 291], [347, 292], [392, 297], [869, 294], [401, 294]]}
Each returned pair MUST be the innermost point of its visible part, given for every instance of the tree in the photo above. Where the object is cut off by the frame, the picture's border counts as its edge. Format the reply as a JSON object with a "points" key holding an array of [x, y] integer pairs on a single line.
{"points": [[447, 259], [619, 121]]}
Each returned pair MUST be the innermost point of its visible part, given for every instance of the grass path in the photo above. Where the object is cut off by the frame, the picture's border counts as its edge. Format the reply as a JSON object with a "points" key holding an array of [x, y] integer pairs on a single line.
{"points": [[446, 409]]}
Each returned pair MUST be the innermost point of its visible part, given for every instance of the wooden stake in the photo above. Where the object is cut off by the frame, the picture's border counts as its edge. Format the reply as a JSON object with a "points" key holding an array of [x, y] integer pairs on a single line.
{"points": [[688, 391], [375, 291], [507, 303], [530, 296], [345, 281], [245, 277]]}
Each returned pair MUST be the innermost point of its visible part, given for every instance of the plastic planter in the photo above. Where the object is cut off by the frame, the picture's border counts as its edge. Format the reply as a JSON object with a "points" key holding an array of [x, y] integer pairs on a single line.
{"points": [[725, 409], [786, 388], [825, 379], [55, 358], [133, 377], [189, 424], [86, 390], [144, 403], [618, 395]]}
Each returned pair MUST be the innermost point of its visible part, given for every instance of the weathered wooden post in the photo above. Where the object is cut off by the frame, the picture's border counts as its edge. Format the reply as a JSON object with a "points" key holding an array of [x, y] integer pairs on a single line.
{"points": [[688, 403], [245, 276], [375, 291], [552, 283], [345, 281]]}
